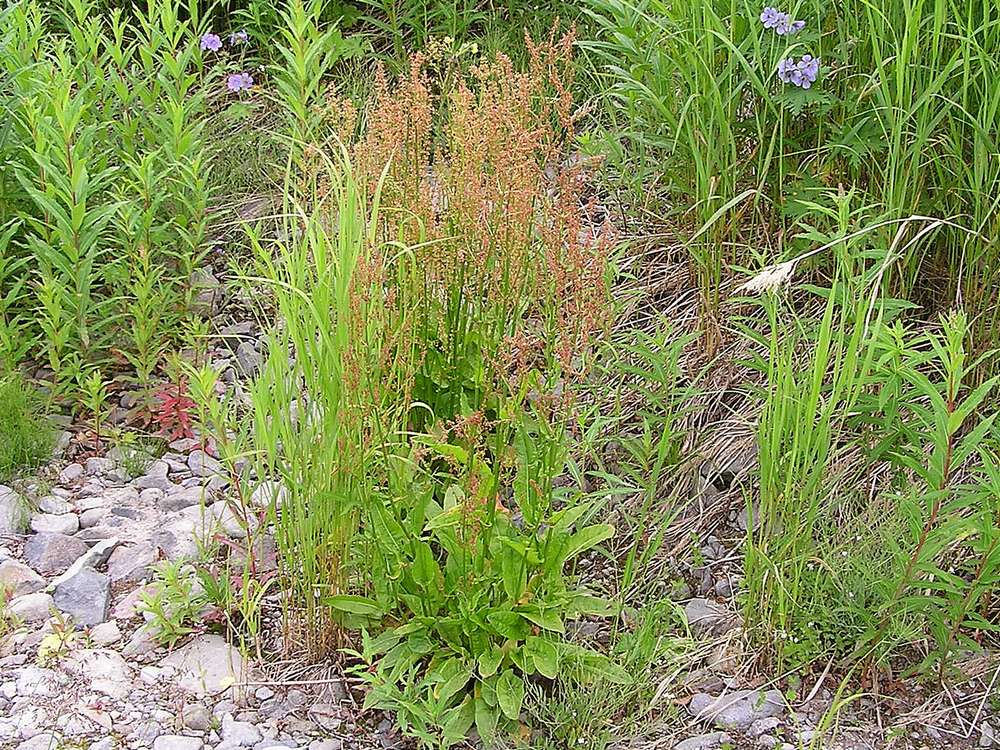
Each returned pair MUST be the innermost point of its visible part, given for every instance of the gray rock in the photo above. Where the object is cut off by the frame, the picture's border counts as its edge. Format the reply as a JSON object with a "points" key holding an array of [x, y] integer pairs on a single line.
{"points": [[91, 517], [105, 670], [239, 733], [234, 333], [248, 359], [739, 709], [763, 726], [106, 633], [182, 497], [92, 558], [127, 495], [14, 512], [142, 642], [18, 579], [206, 665], [182, 535], [50, 554], [708, 618], [723, 588], [197, 717], [85, 597], [71, 473], [54, 505], [231, 522], [131, 562], [203, 465], [31, 607], [98, 466], [108, 743], [988, 736], [207, 291], [144, 733], [183, 445], [53, 524], [126, 511], [63, 439], [155, 477], [268, 492], [41, 741], [177, 742], [704, 741]]}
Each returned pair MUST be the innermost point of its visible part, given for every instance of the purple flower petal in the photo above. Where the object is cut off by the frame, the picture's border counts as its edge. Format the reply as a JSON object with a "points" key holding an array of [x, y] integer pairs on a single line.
{"points": [[211, 42]]}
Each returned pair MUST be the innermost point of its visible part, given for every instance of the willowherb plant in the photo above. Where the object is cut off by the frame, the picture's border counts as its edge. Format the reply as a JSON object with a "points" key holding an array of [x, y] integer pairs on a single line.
{"points": [[944, 431], [107, 149]]}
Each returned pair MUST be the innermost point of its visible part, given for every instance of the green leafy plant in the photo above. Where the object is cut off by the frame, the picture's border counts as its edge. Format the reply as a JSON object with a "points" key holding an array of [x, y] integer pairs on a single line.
{"points": [[94, 397], [173, 602], [941, 513], [484, 592]]}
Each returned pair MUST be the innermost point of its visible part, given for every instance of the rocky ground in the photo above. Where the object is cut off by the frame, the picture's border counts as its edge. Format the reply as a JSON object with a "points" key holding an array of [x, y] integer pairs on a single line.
{"points": [[81, 666]]}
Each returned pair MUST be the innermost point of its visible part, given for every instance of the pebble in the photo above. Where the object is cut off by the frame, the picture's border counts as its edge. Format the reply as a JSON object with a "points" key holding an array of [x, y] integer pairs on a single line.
{"points": [[203, 465], [99, 465], [51, 554], [739, 709], [66, 523], [106, 633], [240, 733], [85, 597], [92, 517], [54, 505], [988, 735], [71, 473], [206, 664], [14, 512], [177, 742], [18, 579], [197, 717], [704, 741], [708, 618], [763, 726], [131, 562], [32, 607]]}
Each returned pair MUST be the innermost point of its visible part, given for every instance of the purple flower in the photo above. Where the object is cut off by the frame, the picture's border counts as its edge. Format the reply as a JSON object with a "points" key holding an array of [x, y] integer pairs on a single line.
{"points": [[802, 73], [787, 27], [237, 82], [238, 37], [770, 17], [211, 42], [782, 23]]}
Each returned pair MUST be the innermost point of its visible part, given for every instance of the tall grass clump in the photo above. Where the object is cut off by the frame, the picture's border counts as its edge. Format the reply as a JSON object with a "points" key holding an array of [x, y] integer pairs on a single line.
{"points": [[25, 438], [901, 106], [835, 568]]}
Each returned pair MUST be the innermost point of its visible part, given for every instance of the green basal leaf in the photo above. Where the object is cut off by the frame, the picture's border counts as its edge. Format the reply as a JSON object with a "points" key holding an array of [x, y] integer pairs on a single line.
{"points": [[510, 694], [357, 605], [486, 719], [546, 619], [489, 662], [544, 655]]}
